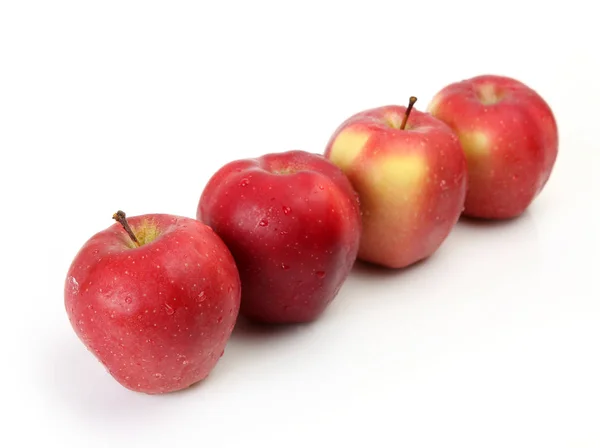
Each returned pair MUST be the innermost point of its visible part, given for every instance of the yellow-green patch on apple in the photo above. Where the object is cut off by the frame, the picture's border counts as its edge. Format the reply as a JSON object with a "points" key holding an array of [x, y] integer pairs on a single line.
{"points": [[475, 144], [433, 105], [477, 148], [147, 232], [142, 233], [510, 138], [399, 178], [409, 171], [488, 94], [347, 146]]}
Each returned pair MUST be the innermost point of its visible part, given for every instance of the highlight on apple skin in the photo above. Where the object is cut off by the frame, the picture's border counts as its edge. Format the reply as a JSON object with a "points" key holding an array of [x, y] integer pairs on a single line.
{"points": [[154, 298], [292, 222], [510, 138], [410, 173]]}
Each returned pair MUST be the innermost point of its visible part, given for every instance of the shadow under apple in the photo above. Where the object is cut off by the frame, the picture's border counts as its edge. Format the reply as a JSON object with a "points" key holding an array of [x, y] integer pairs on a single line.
{"points": [[365, 269], [249, 330], [76, 380], [79, 381], [371, 290]]}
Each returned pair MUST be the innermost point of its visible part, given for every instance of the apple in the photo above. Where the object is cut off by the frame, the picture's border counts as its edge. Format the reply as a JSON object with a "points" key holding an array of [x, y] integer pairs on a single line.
{"points": [[154, 298], [292, 222], [510, 137], [410, 174]]}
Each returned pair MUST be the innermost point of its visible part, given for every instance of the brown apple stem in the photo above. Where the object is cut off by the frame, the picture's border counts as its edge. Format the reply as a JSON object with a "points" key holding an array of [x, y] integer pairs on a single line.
{"points": [[121, 219], [411, 103]]}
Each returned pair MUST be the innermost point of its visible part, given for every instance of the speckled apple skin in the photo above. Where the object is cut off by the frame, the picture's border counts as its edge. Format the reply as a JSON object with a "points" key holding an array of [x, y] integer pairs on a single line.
{"points": [[292, 222], [411, 182], [159, 316], [510, 139]]}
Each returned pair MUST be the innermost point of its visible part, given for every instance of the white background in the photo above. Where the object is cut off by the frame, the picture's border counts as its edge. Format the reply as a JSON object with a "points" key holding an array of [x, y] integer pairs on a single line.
{"points": [[494, 342]]}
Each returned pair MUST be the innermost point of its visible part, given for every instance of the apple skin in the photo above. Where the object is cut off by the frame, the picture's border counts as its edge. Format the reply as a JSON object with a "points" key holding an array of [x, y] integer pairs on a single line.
{"points": [[510, 137], [292, 222], [158, 316], [411, 182]]}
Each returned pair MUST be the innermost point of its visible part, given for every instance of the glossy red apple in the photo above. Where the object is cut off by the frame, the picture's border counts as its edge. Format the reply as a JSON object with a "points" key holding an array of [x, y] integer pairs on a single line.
{"points": [[410, 174], [292, 223], [510, 137], [155, 306]]}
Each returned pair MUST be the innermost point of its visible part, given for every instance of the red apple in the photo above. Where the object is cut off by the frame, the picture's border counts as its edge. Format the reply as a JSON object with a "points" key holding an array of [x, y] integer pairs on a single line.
{"points": [[157, 306], [292, 223], [410, 174], [510, 138]]}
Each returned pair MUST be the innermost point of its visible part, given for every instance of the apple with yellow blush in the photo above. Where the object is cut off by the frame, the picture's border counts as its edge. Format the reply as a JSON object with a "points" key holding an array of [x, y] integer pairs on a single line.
{"points": [[410, 173], [510, 138]]}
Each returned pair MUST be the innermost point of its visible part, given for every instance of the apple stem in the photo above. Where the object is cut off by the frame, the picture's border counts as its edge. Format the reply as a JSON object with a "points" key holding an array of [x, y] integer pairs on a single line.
{"points": [[411, 102], [121, 219]]}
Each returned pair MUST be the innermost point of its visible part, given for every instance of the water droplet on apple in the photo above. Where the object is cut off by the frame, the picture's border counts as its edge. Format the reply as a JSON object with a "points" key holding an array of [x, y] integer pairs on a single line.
{"points": [[284, 266], [201, 297], [169, 309], [95, 251], [127, 299], [321, 187], [219, 319], [244, 182], [263, 223], [320, 274], [158, 375], [286, 210], [74, 285]]}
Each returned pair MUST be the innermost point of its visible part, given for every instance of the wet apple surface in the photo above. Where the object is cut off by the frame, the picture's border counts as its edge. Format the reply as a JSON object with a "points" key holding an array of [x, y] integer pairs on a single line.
{"points": [[292, 222], [155, 300]]}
